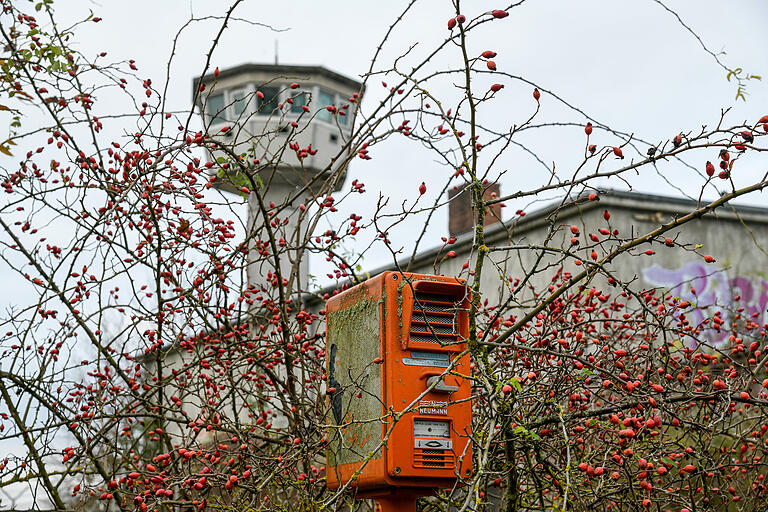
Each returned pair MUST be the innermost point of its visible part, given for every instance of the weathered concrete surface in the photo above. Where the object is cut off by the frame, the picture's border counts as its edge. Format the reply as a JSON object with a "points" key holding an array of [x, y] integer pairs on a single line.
{"points": [[737, 237]]}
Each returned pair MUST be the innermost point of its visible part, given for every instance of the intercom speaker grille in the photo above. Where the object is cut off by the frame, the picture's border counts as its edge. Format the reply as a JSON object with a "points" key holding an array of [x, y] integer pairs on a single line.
{"points": [[434, 319], [443, 459]]}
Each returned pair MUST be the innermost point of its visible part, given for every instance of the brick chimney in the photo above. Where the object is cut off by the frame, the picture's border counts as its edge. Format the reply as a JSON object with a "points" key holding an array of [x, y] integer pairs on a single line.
{"points": [[460, 215]]}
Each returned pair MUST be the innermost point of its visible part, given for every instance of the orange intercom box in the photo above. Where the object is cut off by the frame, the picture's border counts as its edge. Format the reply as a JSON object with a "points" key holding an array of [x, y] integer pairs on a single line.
{"points": [[399, 411]]}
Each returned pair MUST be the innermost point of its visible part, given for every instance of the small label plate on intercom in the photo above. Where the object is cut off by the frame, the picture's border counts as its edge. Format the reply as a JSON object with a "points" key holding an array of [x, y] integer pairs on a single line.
{"points": [[440, 359], [428, 428]]}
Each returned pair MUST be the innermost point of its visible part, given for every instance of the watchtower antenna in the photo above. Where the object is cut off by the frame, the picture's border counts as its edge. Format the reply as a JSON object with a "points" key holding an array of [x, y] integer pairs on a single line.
{"points": [[275, 52]]}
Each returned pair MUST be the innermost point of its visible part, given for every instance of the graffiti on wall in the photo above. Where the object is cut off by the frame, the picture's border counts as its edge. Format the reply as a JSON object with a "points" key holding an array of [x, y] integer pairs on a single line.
{"points": [[704, 286]]}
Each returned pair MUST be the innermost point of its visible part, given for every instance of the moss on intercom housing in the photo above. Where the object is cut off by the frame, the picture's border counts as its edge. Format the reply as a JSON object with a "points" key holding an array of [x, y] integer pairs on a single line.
{"points": [[354, 330]]}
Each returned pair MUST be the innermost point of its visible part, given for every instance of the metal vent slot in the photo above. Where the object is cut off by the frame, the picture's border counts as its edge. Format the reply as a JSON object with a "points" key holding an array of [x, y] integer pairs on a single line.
{"points": [[433, 316], [425, 339], [433, 296], [421, 326], [437, 316], [438, 308]]}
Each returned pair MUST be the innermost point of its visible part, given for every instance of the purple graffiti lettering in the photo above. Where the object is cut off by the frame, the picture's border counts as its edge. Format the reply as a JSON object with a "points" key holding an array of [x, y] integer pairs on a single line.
{"points": [[706, 288]]}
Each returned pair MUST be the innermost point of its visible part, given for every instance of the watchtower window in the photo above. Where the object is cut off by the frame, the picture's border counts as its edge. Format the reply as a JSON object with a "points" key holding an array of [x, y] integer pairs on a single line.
{"points": [[216, 107], [240, 100], [325, 99], [299, 100], [269, 102]]}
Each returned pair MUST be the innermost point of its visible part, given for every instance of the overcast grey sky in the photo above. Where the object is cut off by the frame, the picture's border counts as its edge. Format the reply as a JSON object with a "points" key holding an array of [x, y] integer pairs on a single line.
{"points": [[627, 63]]}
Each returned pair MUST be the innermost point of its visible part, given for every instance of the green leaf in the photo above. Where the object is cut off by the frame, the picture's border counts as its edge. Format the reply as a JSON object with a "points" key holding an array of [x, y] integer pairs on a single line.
{"points": [[526, 433], [521, 430]]}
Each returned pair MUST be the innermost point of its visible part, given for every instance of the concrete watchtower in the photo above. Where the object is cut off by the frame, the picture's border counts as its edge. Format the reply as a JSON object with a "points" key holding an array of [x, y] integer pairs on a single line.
{"points": [[264, 107]]}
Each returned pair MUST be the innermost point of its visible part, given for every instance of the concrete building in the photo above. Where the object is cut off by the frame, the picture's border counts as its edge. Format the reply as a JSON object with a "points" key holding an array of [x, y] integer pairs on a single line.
{"points": [[735, 236], [262, 109]]}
